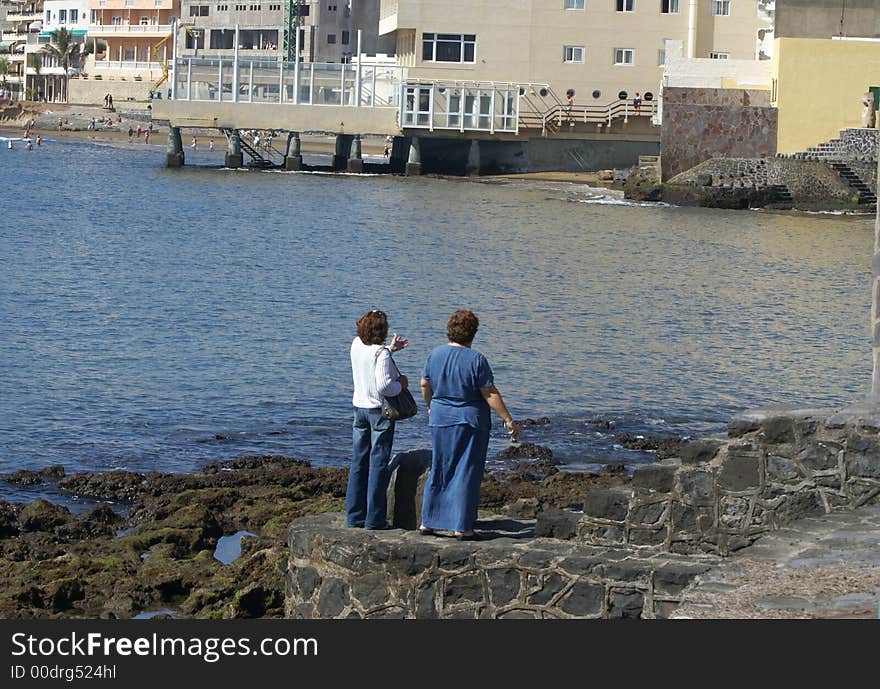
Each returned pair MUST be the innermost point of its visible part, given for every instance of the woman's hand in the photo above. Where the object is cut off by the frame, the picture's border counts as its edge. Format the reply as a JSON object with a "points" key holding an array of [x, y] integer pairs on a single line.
{"points": [[397, 343], [512, 428]]}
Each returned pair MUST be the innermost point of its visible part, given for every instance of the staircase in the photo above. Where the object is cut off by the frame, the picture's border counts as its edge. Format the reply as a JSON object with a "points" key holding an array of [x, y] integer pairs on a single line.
{"points": [[852, 144], [780, 193], [262, 158], [855, 182]]}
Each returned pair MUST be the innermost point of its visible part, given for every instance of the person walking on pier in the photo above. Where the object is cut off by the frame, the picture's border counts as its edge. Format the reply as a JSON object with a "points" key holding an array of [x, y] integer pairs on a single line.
{"points": [[459, 388], [375, 376]]}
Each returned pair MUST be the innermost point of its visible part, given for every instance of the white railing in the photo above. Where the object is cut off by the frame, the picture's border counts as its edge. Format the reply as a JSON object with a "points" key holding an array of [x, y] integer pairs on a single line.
{"points": [[129, 28], [131, 65], [461, 106], [23, 16]]}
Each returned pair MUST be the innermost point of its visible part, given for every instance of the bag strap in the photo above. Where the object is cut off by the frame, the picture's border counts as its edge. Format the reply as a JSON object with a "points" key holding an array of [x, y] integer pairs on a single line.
{"points": [[393, 362]]}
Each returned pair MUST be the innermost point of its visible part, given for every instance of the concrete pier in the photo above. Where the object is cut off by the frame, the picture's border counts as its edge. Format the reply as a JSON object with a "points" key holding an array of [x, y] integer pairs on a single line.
{"points": [[343, 148], [414, 162], [356, 161], [293, 159], [174, 152], [472, 168], [234, 158]]}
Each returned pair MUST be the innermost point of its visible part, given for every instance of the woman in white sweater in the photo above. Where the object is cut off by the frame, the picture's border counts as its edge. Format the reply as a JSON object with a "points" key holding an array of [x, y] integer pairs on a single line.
{"points": [[375, 376]]}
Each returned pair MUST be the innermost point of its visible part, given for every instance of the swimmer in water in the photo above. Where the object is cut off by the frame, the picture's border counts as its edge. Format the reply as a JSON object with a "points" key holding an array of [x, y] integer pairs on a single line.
{"points": [[9, 145], [39, 140], [29, 146]]}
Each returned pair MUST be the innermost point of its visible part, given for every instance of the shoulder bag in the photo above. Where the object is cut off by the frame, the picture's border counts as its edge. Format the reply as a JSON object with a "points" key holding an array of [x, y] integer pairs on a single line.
{"points": [[401, 406]]}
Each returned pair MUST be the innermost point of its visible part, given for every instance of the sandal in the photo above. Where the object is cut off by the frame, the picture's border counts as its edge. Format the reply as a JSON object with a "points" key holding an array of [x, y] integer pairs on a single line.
{"points": [[425, 531], [472, 536]]}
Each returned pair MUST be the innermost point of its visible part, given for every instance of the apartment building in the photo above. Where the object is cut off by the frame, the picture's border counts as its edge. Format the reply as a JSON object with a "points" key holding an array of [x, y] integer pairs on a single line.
{"points": [[328, 28], [23, 23], [595, 48]]}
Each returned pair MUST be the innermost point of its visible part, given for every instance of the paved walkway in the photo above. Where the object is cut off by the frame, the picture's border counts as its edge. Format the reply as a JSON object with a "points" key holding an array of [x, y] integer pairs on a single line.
{"points": [[818, 567]]}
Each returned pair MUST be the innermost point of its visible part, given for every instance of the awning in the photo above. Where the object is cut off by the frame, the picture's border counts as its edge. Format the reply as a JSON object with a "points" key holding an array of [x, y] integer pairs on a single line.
{"points": [[6, 46], [73, 32], [36, 25]]}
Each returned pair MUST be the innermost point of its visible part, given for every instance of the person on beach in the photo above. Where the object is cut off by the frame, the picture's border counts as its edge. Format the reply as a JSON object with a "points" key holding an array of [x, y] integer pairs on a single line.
{"points": [[374, 375], [459, 388], [138, 131], [130, 133], [39, 140], [147, 136], [194, 144], [211, 144]]}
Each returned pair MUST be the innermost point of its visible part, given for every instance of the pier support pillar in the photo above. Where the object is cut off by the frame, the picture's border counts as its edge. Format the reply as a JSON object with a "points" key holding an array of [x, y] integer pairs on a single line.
{"points": [[234, 158], [356, 161], [399, 153], [174, 152], [343, 147], [472, 167], [293, 160], [414, 162]]}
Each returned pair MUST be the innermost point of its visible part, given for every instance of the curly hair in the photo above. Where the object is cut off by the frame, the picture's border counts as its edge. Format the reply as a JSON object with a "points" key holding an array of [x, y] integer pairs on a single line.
{"points": [[462, 326], [372, 327]]}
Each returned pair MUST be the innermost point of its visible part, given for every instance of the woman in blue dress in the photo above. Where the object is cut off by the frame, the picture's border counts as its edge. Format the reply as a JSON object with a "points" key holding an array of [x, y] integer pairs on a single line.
{"points": [[458, 387]]}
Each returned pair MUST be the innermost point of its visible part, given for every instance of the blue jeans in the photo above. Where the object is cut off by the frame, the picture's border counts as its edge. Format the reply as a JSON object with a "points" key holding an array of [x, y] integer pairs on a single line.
{"points": [[366, 501]]}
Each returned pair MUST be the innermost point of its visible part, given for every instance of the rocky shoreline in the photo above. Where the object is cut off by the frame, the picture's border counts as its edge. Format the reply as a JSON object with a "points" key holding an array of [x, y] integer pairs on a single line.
{"points": [[159, 553]]}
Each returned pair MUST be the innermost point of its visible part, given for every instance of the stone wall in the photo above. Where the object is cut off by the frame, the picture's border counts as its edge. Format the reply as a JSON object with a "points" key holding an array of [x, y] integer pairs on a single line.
{"points": [[92, 91], [336, 572], [699, 124], [776, 466]]}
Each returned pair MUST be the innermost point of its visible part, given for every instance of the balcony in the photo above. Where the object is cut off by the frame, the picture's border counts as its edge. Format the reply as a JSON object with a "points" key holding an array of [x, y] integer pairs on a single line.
{"points": [[131, 30], [24, 17]]}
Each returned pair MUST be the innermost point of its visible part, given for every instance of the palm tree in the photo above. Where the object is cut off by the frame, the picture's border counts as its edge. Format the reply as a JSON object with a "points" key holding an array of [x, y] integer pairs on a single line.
{"points": [[66, 51]]}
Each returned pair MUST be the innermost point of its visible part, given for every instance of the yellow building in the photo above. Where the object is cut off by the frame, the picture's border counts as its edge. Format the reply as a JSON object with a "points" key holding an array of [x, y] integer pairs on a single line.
{"points": [[818, 85]]}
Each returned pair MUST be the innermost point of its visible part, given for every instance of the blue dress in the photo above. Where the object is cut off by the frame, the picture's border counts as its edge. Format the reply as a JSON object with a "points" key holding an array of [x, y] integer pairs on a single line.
{"points": [[460, 423]]}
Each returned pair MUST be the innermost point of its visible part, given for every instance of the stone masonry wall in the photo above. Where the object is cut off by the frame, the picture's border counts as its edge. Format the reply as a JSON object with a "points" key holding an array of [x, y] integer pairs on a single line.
{"points": [[776, 466], [699, 124]]}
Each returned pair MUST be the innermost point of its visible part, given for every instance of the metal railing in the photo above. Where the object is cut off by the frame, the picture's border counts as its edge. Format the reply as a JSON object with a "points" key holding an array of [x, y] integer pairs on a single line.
{"points": [[564, 113], [129, 28]]}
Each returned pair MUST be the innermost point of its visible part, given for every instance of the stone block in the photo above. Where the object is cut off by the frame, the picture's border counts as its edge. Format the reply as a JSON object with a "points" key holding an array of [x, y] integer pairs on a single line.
{"points": [[629, 570], [626, 604], [560, 524], [392, 612], [405, 488], [580, 565], [333, 599], [672, 578], [524, 508], [307, 579], [781, 469], [426, 601], [584, 599], [455, 556], [520, 615], [464, 588], [740, 472], [734, 512], [504, 585], [685, 517], [551, 584], [654, 477], [697, 486], [865, 465], [801, 504], [699, 451], [653, 537], [412, 558], [778, 429], [370, 590], [607, 504], [648, 515], [818, 456]]}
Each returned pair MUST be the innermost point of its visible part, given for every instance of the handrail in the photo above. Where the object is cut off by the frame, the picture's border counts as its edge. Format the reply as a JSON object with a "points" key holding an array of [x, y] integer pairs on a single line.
{"points": [[597, 114]]}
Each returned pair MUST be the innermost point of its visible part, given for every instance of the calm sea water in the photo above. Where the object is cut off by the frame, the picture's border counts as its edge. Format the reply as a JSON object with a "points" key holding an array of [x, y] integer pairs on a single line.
{"points": [[158, 319]]}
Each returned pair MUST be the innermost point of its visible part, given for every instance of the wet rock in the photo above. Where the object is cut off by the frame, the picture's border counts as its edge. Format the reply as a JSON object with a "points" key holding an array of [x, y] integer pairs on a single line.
{"points": [[543, 421], [614, 468], [663, 447], [604, 424], [41, 515], [24, 477], [124, 486], [8, 519], [526, 451]]}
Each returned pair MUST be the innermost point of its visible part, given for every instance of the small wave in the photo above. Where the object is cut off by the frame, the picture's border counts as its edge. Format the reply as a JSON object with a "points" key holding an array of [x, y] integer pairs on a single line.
{"points": [[615, 201]]}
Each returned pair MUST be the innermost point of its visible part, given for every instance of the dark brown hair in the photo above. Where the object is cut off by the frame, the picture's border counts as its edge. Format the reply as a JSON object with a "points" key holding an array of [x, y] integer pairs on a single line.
{"points": [[373, 327], [462, 326]]}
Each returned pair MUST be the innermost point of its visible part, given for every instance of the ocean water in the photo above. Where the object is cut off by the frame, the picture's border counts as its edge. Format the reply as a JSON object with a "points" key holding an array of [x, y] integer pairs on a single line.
{"points": [[156, 319]]}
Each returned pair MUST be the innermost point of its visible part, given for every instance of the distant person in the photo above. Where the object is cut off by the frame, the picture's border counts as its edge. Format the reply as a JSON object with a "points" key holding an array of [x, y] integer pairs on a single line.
{"points": [[374, 375], [39, 140], [194, 144], [130, 133], [637, 102], [9, 145], [147, 136], [60, 124], [459, 388], [211, 144], [29, 145], [109, 101], [389, 142], [138, 131]]}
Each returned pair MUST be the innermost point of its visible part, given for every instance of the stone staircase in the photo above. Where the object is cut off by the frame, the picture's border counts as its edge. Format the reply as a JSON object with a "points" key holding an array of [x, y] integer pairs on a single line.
{"points": [[649, 166], [853, 144], [866, 196]]}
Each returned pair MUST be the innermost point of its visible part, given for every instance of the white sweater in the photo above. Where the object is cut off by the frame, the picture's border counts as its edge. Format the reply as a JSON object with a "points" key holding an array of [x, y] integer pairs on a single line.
{"points": [[373, 378]]}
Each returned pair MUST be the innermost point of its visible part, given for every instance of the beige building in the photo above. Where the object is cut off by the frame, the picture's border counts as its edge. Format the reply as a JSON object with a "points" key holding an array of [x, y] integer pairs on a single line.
{"points": [[597, 48]]}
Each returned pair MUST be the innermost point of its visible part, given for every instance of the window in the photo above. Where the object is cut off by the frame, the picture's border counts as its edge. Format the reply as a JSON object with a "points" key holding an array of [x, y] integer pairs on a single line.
{"points": [[345, 38], [575, 4], [145, 21], [94, 19], [197, 41], [624, 56], [256, 8], [331, 38], [198, 10], [222, 8], [274, 8], [669, 6], [331, 8], [62, 16], [128, 55], [116, 21], [74, 16], [241, 8], [48, 17], [573, 53], [661, 57], [449, 47], [721, 8], [626, 5], [719, 56]]}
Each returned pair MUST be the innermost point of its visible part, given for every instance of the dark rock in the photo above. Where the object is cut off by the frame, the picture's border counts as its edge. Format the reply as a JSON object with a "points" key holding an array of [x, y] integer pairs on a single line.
{"points": [[699, 451], [607, 504], [663, 447], [865, 465], [704, 179], [41, 515], [65, 593], [699, 486], [256, 601], [504, 585], [617, 468], [8, 519], [426, 602], [560, 524], [781, 469], [628, 570], [455, 556], [584, 598], [742, 424], [392, 612], [580, 565], [654, 477], [308, 579], [24, 477], [684, 517], [604, 424], [778, 429], [626, 604], [740, 472], [672, 578], [543, 421], [333, 598], [817, 457], [551, 584], [405, 488], [523, 508], [370, 590], [647, 514], [526, 450], [412, 558], [464, 588], [655, 537]]}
